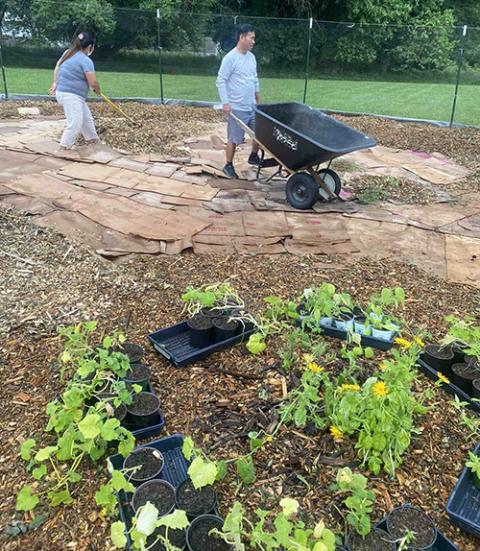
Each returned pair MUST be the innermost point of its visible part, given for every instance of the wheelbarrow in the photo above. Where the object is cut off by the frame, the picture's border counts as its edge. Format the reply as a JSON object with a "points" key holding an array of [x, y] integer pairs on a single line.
{"points": [[299, 140]]}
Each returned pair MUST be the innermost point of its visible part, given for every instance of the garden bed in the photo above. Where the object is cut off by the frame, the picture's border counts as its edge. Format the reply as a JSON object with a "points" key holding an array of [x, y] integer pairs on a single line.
{"points": [[218, 400]]}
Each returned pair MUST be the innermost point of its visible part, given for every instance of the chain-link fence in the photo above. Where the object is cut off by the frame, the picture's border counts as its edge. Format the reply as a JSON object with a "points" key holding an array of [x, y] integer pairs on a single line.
{"points": [[403, 71]]}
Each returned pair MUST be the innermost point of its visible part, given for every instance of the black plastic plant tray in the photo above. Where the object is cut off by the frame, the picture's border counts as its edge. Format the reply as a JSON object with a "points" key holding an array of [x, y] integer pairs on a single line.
{"points": [[442, 543], [463, 505], [174, 471], [450, 388], [174, 344]]}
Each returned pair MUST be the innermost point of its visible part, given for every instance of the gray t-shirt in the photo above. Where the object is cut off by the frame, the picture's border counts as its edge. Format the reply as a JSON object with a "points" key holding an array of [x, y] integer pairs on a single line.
{"points": [[237, 80], [71, 75]]}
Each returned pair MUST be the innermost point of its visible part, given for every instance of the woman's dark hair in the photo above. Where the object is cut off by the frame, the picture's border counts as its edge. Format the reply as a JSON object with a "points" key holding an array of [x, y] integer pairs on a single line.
{"points": [[244, 29], [80, 42]]}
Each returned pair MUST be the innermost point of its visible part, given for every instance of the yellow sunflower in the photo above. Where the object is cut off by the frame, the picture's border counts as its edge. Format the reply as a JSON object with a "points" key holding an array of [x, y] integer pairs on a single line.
{"points": [[380, 389], [336, 433], [442, 378]]}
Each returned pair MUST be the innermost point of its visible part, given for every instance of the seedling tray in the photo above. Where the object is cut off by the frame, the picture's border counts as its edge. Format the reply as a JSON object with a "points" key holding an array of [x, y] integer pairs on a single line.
{"points": [[367, 340], [463, 505], [450, 387], [174, 344], [174, 471]]}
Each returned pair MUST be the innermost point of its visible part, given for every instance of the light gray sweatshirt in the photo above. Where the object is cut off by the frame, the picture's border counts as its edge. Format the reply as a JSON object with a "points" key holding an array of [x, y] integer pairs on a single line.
{"points": [[237, 80]]}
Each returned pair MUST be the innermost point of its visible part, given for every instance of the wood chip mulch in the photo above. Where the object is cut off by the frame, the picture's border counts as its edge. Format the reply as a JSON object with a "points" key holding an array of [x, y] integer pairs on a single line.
{"points": [[48, 280]]}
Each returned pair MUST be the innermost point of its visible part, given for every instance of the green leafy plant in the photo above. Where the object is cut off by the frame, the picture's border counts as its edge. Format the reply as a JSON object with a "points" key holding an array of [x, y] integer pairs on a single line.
{"points": [[204, 471], [144, 526], [380, 414], [372, 195], [79, 431], [218, 296], [378, 310], [473, 464], [278, 316], [465, 333], [304, 404], [106, 496], [298, 342], [287, 532], [359, 501]]}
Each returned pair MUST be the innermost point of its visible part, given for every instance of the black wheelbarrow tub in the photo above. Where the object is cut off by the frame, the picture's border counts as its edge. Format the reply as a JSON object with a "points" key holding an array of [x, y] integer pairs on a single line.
{"points": [[300, 137]]}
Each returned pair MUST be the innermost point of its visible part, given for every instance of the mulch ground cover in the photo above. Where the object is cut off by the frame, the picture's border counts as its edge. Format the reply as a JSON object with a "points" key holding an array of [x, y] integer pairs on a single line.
{"points": [[48, 281]]}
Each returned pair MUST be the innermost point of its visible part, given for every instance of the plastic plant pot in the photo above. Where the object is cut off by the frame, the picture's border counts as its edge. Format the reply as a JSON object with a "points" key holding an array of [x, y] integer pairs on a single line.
{"points": [[383, 334], [409, 518], [198, 538], [138, 374], [440, 359], [224, 329], [472, 361], [178, 538], [326, 322], [143, 411], [195, 502], [360, 325], [476, 388], [458, 354], [463, 376], [376, 540], [344, 321], [143, 464], [159, 492], [200, 330], [134, 351]]}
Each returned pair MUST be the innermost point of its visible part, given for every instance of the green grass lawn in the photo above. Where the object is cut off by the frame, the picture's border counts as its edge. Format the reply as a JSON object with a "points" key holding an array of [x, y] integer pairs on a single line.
{"points": [[406, 99]]}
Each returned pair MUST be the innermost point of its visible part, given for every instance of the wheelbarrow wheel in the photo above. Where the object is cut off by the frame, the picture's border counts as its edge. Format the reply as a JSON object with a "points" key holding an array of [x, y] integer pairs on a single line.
{"points": [[302, 191], [332, 180]]}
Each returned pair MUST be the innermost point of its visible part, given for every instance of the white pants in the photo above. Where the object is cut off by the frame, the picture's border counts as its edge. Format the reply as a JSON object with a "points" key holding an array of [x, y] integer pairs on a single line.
{"points": [[79, 119]]}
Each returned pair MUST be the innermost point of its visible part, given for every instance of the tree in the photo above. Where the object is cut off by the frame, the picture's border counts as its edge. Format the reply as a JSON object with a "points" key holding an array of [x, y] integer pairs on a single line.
{"points": [[398, 34]]}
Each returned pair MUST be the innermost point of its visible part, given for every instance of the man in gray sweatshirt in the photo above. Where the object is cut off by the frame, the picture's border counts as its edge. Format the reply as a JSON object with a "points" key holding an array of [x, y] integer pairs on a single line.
{"points": [[239, 91]]}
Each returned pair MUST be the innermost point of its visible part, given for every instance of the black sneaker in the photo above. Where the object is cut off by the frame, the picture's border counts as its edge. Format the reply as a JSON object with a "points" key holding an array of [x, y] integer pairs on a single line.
{"points": [[229, 171], [254, 159]]}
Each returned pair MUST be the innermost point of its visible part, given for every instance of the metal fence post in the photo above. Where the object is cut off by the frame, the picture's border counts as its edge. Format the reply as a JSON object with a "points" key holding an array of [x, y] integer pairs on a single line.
{"points": [[4, 74], [160, 67], [461, 52], [307, 64]]}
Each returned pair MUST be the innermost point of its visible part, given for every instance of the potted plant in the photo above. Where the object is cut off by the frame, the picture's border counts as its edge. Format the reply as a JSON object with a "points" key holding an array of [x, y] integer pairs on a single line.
{"points": [[158, 492], [143, 464], [464, 336], [317, 303], [200, 535], [474, 465], [195, 501], [143, 411], [383, 324], [287, 531], [411, 525], [216, 313], [439, 357], [138, 374], [342, 312], [149, 530], [463, 376]]}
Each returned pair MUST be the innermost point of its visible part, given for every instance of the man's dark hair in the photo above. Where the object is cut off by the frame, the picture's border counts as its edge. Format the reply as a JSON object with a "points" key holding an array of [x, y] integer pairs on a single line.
{"points": [[244, 29]]}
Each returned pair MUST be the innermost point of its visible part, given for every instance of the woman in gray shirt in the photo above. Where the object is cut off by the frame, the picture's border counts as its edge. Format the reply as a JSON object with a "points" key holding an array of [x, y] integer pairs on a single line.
{"points": [[73, 76]]}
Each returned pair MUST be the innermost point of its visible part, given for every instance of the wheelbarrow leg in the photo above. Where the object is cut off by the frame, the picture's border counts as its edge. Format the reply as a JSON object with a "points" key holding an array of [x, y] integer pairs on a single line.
{"points": [[262, 156], [323, 185]]}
